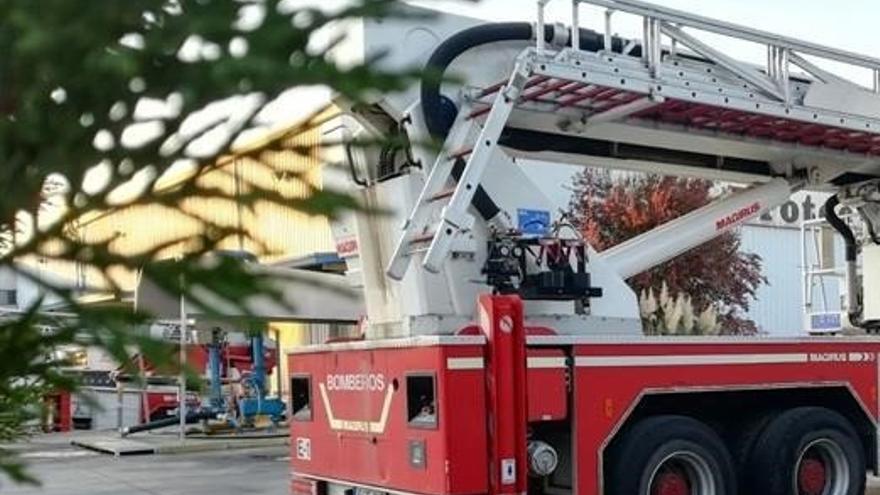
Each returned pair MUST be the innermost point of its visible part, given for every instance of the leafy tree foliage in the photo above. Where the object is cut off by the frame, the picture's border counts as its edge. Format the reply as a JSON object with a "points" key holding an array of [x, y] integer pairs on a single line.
{"points": [[610, 209], [77, 81]]}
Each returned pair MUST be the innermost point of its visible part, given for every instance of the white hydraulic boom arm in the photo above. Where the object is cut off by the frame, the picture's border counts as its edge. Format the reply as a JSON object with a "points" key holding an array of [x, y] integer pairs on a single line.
{"points": [[704, 224], [669, 103]]}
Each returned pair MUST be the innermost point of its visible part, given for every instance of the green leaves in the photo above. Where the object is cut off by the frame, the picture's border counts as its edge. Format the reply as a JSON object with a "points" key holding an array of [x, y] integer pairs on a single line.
{"points": [[157, 92]]}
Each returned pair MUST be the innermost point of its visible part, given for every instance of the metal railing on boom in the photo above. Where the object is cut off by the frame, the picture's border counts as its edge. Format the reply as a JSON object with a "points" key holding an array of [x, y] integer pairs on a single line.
{"points": [[782, 51]]}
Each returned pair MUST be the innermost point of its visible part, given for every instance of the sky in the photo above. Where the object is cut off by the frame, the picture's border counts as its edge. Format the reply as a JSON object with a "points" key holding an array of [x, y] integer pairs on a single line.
{"points": [[845, 24]]}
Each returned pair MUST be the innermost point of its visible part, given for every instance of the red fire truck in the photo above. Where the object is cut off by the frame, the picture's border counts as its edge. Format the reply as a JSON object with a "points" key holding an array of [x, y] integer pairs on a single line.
{"points": [[501, 354]]}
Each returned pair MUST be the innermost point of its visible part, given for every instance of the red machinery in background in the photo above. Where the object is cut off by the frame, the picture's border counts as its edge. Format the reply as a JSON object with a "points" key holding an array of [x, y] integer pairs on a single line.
{"points": [[160, 398], [58, 413]]}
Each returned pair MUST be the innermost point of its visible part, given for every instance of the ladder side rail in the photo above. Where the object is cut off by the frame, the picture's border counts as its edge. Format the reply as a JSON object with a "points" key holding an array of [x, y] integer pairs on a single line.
{"points": [[806, 267], [812, 69], [455, 217], [674, 16], [639, 80], [440, 173], [817, 240], [745, 72]]}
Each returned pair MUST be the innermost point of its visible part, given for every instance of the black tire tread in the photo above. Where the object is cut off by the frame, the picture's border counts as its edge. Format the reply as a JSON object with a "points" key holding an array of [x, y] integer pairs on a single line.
{"points": [[638, 445], [770, 466]]}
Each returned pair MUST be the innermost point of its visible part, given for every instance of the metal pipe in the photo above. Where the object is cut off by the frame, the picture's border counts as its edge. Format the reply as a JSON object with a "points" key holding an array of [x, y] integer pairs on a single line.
{"points": [[673, 238], [784, 75], [181, 404], [607, 39], [771, 61], [193, 417], [539, 36], [120, 402], [854, 309], [278, 378], [575, 25], [216, 379], [656, 47], [805, 269], [258, 355]]}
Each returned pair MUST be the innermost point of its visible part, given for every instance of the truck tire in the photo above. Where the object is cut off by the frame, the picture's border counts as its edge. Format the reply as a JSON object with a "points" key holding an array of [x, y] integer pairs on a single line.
{"points": [[807, 451], [671, 455]]}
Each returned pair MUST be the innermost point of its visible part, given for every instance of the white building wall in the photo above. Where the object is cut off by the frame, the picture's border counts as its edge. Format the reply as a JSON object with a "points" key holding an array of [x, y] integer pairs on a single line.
{"points": [[777, 307]]}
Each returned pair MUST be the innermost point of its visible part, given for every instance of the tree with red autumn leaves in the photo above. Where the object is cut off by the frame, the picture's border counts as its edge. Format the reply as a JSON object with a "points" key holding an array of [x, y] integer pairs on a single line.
{"points": [[609, 209]]}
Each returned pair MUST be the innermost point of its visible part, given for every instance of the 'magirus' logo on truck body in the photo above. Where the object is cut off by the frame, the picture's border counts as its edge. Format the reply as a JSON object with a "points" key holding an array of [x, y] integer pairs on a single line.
{"points": [[738, 216], [356, 382]]}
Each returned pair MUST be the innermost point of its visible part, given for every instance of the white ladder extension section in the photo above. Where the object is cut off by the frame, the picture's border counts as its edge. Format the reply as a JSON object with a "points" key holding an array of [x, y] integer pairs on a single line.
{"points": [[680, 85], [454, 217]]}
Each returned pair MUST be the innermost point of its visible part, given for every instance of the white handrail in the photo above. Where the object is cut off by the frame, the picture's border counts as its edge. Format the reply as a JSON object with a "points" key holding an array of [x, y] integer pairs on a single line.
{"points": [[736, 31], [782, 50]]}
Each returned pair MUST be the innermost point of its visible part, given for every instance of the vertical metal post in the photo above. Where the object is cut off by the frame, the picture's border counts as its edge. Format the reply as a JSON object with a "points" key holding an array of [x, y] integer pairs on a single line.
{"points": [[608, 14], [657, 56], [278, 378], [120, 396], [215, 371], [575, 25], [771, 61], [539, 35], [877, 80], [805, 275], [142, 380], [784, 74], [651, 48], [181, 404], [259, 362], [501, 320]]}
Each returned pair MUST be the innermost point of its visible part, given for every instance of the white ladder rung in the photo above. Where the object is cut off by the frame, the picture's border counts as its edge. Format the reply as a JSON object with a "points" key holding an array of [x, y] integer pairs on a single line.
{"points": [[455, 217]]}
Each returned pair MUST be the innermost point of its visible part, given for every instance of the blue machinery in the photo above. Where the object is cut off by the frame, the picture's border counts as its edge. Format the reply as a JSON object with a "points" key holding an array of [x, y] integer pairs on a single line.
{"points": [[252, 405], [214, 373], [256, 403]]}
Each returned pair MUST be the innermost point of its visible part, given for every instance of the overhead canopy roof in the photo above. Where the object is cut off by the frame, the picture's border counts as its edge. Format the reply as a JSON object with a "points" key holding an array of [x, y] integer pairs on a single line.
{"points": [[305, 296]]}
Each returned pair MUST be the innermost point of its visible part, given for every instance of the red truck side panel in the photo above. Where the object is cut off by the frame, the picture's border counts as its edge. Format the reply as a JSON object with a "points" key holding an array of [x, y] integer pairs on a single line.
{"points": [[360, 429], [611, 378], [547, 385]]}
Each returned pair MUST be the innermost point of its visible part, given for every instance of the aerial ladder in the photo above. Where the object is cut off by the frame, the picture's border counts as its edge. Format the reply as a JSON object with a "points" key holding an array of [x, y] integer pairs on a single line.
{"points": [[503, 354]]}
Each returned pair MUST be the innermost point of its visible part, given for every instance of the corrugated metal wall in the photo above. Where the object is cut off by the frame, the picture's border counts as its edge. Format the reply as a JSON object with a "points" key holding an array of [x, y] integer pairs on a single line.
{"points": [[289, 166], [778, 306], [274, 230]]}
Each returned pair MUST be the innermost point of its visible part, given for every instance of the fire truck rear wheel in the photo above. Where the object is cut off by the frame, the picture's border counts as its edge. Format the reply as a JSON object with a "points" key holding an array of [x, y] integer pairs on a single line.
{"points": [[671, 455], [807, 451]]}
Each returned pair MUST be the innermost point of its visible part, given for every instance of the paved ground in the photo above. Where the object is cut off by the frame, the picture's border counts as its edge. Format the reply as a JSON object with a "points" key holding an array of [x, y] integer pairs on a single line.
{"points": [[67, 470], [71, 471]]}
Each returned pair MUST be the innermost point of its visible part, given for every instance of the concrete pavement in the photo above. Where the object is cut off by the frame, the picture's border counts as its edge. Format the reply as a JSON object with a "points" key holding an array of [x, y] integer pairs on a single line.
{"points": [[72, 471], [68, 470]]}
